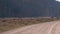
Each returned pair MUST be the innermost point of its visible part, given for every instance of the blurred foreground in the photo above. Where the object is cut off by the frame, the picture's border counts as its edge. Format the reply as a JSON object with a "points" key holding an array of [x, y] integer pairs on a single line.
{"points": [[11, 23]]}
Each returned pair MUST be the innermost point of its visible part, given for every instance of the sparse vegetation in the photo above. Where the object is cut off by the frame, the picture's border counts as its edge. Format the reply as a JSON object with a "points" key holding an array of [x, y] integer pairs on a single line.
{"points": [[11, 23]]}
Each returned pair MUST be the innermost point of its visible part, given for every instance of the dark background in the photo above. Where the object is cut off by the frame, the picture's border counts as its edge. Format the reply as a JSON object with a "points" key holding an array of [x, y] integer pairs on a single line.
{"points": [[29, 8]]}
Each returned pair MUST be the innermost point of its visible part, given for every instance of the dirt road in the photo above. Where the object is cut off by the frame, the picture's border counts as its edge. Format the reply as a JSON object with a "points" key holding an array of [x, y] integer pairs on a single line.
{"points": [[42, 28]]}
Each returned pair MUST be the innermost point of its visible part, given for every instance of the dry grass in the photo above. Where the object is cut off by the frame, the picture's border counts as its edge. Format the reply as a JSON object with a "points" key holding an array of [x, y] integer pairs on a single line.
{"points": [[11, 23]]}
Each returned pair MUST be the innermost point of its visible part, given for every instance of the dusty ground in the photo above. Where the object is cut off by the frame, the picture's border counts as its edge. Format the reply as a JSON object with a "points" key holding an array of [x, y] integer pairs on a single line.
{"points": [[42, 28]]}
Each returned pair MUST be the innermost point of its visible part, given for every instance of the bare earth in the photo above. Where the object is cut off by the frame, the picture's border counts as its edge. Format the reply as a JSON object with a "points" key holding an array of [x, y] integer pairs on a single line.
{"points": [[42, 28]]}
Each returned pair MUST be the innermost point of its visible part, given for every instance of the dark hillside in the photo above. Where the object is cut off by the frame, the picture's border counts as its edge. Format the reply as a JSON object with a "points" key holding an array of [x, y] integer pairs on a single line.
{"points": [[29, 8]]}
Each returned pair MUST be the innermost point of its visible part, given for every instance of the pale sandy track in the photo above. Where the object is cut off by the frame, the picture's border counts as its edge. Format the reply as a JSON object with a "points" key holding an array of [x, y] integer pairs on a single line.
{"points": [[42, 28]]}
